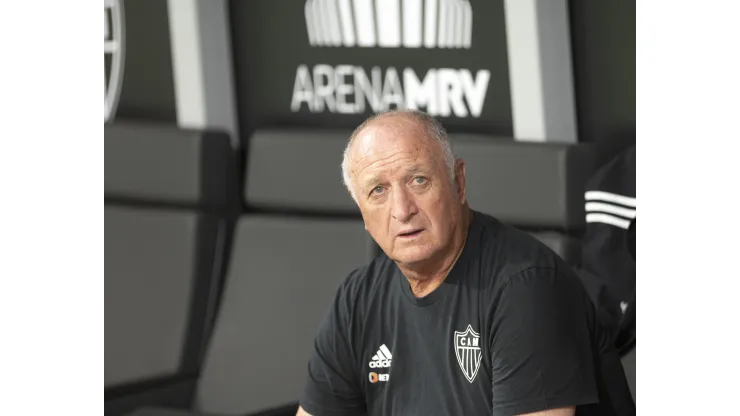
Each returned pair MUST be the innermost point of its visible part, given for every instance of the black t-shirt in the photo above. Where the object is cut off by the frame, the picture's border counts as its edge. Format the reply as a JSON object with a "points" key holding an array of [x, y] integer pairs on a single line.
{"points": [[511, 330]]}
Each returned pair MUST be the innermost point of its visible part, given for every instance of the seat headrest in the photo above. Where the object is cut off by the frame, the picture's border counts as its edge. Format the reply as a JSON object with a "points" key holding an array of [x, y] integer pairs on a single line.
{"points": [[537, 185], [164, 164], [298, 170]]}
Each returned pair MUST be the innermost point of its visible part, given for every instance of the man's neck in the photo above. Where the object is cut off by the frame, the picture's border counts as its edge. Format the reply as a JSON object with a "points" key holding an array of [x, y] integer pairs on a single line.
{"points": [[424, 280]]}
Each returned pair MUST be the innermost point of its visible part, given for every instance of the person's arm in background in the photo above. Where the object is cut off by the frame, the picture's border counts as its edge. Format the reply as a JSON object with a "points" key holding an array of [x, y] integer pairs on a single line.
{"points": [[542, 354]]}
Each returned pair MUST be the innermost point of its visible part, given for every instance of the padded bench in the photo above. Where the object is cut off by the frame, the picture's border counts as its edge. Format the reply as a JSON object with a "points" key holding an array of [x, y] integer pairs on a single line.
{"points": [[287, 261], [166, 237], [535, 186], [282, 276]]}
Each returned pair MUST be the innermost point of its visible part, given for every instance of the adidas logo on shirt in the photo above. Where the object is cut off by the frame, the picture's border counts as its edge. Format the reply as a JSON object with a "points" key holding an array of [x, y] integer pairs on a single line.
{"points": [[381, 359]]}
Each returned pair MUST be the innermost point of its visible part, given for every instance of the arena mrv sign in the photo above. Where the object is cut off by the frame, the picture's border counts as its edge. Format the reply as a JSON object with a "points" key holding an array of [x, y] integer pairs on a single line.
{"points": [[348, 89], [411, 24]]}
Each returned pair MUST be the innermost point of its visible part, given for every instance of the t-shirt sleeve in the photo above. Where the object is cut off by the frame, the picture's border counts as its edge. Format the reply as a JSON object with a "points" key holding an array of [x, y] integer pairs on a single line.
{"points": [[541, 346], [332, 386]]}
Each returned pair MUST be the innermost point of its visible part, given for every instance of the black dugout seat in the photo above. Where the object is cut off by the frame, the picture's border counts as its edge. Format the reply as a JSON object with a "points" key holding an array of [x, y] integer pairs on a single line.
{"points": [[283, 274], [169, 194], [288, 260], [300, 237]]}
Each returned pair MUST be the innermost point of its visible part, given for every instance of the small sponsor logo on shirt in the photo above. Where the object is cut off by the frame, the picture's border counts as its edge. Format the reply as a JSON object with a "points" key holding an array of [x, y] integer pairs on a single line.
{"points": [[375, 377], [382, 358]]}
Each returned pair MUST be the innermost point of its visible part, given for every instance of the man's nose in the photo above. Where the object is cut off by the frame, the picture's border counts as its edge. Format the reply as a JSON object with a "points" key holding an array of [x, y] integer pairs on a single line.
{"points": [[403, 205]]}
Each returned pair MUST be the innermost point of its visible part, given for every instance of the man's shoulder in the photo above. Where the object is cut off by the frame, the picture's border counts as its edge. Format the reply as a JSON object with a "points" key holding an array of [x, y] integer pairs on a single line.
{"points": [[367, 279], [506, 251]]}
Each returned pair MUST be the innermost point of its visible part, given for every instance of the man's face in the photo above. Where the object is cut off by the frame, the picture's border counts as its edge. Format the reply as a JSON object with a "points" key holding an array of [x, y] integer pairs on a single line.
{"points": [[407, 200]]}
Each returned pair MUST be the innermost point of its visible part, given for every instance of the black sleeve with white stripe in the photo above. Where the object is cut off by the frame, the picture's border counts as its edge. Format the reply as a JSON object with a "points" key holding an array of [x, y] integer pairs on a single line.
{"points": [[607, 266]]}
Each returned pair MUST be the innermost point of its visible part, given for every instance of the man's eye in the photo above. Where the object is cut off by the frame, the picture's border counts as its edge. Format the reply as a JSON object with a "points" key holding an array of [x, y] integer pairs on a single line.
{"points": [[377, 190], [420, 180]]}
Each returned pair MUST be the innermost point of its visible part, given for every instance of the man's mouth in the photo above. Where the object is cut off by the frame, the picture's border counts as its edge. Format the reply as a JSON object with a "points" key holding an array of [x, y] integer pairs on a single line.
{"points": [[410, 233]]}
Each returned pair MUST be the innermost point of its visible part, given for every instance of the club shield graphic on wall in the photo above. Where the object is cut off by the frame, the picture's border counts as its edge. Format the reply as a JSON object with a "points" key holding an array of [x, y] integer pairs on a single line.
{"points": [[334, 62], [468, 351], [114, 55]]}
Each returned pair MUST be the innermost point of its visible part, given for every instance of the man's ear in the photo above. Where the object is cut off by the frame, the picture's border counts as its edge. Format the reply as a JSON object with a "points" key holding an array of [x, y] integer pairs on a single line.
{"points": [[460, 180]]}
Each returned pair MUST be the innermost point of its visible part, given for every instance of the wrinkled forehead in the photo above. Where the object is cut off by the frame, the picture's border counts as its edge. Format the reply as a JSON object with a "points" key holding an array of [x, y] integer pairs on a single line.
{"points": [[385, 138]]}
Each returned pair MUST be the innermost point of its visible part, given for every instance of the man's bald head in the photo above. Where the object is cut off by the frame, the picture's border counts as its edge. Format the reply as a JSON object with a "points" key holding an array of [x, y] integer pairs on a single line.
{"points": [[432, 129], [400, 169]]}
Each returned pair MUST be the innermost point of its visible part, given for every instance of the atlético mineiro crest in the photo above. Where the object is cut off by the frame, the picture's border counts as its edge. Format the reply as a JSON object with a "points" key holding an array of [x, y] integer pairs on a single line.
{"points": [[468, 351], [114, 54]]}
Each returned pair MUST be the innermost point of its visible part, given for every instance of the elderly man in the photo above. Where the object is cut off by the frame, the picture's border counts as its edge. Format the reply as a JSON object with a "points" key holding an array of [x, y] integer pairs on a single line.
{"points": [[462, 315]]}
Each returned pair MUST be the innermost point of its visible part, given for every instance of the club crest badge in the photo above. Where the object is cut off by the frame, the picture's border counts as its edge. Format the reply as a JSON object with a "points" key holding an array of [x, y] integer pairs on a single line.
{"points": [[468, 351]]}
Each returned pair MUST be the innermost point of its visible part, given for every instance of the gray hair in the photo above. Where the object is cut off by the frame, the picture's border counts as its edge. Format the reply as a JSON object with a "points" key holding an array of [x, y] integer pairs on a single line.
{"points": [[433, 128]]}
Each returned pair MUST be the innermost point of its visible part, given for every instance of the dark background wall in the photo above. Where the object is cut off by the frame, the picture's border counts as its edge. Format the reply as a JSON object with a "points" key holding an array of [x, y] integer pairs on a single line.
{"points": [[148, 91], [603, 49]]}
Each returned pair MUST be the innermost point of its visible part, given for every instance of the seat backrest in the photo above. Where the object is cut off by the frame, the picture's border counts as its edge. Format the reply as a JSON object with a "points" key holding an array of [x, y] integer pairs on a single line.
{"points": [[166, 166], [535, 186], [284, 271], [151, 277], [286, 265], [532, 185], [164, 247], [276, 171]]}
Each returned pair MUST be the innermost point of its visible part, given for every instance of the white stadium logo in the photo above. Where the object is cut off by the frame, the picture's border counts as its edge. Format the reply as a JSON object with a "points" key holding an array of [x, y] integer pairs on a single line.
{"points": [[114, 51], [354, 89], [390, 23]]}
